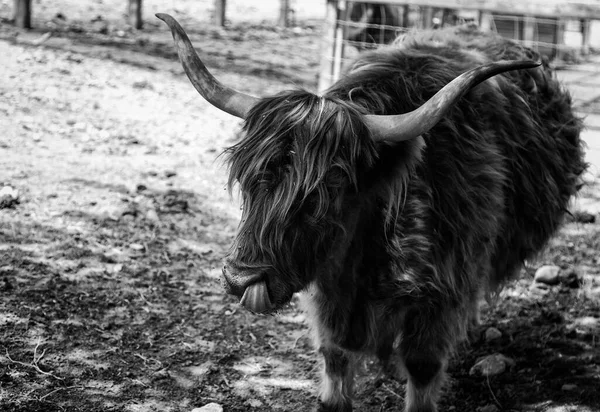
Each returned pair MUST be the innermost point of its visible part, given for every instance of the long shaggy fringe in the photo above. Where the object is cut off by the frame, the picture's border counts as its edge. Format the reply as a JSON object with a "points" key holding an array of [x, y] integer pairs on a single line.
{"points": [[299, 154]]}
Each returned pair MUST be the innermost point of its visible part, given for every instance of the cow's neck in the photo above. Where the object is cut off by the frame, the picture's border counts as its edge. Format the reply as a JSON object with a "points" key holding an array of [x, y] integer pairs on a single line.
{"points": [[348, 280]]}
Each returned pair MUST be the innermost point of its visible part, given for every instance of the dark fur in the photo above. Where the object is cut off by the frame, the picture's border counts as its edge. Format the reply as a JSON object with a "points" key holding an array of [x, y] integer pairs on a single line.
{"points": [[396, 243]]}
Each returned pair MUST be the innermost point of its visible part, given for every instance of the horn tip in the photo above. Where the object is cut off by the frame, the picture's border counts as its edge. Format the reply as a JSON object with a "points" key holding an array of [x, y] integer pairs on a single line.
{"points": [[531, 64], [162, 16]]}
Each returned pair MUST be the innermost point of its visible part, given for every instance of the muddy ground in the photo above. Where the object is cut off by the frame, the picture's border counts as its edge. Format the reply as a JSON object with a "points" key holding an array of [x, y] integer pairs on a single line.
{"points": [[109, 261]]}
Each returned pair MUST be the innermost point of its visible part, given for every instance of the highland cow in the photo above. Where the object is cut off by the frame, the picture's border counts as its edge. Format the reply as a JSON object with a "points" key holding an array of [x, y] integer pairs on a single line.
{"points": [[399, 197]]}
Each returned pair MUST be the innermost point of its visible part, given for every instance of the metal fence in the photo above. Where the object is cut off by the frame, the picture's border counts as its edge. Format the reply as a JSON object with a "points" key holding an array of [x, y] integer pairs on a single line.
{"points": [[357, 25]]}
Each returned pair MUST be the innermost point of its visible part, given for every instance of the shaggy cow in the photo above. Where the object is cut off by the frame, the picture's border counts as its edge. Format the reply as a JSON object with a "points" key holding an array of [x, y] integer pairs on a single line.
{"points": [[398, 198]]}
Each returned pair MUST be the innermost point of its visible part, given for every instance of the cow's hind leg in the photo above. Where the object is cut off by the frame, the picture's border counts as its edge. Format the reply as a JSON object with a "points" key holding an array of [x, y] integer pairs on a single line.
{"points": [[425, 346], [337, 382]]}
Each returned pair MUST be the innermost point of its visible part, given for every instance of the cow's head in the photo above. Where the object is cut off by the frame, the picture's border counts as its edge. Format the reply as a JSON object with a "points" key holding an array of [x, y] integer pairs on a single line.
{"points": [[301, 167]]}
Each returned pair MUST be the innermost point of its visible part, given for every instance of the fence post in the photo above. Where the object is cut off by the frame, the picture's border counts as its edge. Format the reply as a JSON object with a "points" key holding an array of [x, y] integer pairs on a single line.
{"points": [[529, 32], [560, 38], [328, 49], [341, 33], [134, 14], [284, 11], [585, 36], [22, 13], [427, 17], [220, 6]]}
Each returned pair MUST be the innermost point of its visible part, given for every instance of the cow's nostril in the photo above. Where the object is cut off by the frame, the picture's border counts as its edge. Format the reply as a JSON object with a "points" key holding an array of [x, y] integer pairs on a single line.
{"points": [[236, 281]]}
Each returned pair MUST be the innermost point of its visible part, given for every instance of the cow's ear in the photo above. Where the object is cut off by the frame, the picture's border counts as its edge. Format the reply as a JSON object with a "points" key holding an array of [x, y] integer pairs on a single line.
{"points": [[396, 162]]}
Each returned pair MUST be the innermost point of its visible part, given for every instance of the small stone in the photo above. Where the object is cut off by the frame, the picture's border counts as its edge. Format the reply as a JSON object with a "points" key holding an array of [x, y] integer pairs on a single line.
{"points": [[548, 275], [142, 84], [211, 407], [255, 403], [491, 365], [80, 126], [9, 197], [152, 216], [488, 408], [492, 334], [141, 187], [127, 218], [9, 191], [136, 246], [568, 387], [539, 289], [170, 173], [584, 217]]}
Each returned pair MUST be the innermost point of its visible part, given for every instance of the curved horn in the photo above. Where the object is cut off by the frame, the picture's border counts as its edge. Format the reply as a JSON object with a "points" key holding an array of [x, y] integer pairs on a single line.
{"points": [[220, 96], [406, 126]]}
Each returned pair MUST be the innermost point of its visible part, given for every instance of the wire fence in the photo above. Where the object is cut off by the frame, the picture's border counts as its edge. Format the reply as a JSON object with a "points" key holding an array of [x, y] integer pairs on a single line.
{"points": [[353, 26]]}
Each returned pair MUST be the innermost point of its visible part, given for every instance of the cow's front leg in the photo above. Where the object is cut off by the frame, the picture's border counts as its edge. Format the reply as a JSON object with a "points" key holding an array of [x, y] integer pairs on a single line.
{"points": [[338, 380], [425, 380], [425, 346]]}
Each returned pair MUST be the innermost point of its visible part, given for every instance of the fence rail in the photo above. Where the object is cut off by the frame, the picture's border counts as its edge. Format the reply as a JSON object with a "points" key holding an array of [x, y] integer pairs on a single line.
{"points": [[543, 26]]}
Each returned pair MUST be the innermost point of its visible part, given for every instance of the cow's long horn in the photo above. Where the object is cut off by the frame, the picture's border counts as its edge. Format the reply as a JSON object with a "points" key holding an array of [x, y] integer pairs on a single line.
{"points": [[396, 128], [220, 96]]}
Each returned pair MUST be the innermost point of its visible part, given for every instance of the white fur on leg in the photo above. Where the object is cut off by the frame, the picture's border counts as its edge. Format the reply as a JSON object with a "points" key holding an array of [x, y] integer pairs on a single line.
{"points": [[337, 390], [423, 398]]}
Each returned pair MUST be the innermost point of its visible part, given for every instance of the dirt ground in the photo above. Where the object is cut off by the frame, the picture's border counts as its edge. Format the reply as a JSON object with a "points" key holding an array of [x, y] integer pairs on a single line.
{"points": [[109, 261]]}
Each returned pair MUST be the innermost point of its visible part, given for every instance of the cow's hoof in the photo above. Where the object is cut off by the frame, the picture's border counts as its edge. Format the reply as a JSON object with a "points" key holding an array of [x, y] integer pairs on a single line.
{"points": [[323, 407]]}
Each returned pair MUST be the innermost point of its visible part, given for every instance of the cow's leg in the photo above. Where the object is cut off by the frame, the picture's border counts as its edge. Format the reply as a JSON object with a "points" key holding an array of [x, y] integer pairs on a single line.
{"points": [[425, 346], [389, 358], [337, 382], [425, 380]]}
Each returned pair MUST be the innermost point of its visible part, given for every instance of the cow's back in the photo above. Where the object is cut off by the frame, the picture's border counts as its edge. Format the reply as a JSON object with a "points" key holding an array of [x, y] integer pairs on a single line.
{"points": [[497, 172], [538, 136]]}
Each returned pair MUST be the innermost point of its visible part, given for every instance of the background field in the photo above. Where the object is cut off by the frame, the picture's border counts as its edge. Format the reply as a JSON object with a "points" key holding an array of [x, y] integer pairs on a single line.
{"points": [[109, 265]]}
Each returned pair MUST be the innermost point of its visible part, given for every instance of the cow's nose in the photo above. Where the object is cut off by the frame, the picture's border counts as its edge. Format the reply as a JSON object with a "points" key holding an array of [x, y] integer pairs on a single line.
{"points": [[250, 288], [231, 287], [235, 283]]}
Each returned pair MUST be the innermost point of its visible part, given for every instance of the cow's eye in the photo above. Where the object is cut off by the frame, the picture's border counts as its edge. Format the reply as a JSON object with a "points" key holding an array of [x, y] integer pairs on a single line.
{"points": [[266, 180]]}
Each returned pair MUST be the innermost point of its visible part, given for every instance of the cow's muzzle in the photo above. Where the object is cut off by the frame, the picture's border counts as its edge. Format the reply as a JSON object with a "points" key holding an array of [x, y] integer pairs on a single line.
{"points": [[250, 287]]}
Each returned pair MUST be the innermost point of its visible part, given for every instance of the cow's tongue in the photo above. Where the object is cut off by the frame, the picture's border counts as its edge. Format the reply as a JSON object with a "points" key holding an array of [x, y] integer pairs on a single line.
{"points": [[256, 298]]}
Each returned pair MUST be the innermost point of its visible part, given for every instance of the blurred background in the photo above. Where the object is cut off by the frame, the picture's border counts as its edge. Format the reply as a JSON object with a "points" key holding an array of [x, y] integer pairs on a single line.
{"points": [[564, 31]]}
